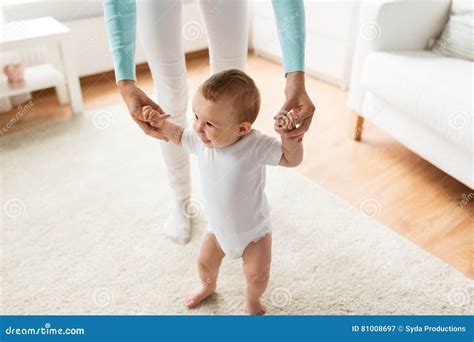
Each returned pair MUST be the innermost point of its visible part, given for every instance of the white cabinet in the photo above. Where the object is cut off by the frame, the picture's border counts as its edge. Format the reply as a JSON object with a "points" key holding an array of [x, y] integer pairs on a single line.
{"points": [[330, 36], [23, 34], [88, 34]]}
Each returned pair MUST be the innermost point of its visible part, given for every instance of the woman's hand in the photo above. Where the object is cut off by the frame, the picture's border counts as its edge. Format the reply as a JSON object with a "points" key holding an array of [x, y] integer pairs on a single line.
{"points": [[297, 101], [136, 99]]}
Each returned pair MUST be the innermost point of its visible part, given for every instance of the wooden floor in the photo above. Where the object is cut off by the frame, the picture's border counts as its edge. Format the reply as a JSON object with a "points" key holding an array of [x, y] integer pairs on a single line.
{"points": [[377, 175]]}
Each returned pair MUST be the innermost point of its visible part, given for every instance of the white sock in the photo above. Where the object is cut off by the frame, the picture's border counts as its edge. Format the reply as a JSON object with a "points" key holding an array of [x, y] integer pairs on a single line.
{"points": [[178, 225]]}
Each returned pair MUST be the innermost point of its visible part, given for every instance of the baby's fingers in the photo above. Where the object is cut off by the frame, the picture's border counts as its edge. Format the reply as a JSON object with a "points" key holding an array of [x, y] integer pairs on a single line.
{"points": [[284, 122], [148, 112], [292, 119], [159, 121], [279, 116]]}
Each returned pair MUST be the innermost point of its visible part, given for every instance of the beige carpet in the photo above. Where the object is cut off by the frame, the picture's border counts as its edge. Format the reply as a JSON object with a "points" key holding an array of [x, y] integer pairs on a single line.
{"points": [[82, 204]]}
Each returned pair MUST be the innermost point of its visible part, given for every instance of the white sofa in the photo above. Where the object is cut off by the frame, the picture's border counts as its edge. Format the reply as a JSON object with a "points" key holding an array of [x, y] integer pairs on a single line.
{"points": [[422, 99]]}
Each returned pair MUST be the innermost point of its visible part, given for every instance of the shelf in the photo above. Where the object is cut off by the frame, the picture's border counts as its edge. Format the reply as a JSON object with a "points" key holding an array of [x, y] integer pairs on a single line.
{"points": [[36, 77], [31, 30]]}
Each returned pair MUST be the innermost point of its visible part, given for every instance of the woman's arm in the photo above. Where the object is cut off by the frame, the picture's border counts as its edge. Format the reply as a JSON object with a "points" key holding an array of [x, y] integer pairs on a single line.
{"points": [[121, 25], [290, 20]]}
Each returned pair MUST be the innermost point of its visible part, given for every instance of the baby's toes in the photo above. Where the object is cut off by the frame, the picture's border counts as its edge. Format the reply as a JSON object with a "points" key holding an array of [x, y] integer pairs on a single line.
{"points": [[255, 309], [190, 302]]}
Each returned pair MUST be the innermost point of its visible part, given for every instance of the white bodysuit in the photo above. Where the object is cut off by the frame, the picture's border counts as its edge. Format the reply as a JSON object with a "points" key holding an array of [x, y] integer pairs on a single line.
{"points": [[233, 183]]}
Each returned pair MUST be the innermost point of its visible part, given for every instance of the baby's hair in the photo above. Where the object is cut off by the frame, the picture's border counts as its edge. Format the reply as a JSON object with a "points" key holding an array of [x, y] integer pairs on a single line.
{"points": [[240, 87]]}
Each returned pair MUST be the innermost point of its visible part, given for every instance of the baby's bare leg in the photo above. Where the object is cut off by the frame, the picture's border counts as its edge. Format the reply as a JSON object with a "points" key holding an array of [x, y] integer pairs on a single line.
{"points": [[257, 259], [209, 261]]}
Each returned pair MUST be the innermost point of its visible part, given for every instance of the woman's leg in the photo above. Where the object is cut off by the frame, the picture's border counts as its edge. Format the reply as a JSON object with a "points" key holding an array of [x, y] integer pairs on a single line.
{"points": [[227, 31], [159, 26]]}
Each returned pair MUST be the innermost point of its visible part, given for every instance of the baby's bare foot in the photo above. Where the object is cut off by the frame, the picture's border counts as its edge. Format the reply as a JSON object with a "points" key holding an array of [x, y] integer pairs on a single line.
{"points": [[255, 308], [197, 297]]}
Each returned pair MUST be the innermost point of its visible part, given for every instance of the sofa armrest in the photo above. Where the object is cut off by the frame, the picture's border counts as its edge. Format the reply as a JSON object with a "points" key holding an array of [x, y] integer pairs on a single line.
{"points": [[392, 25]]}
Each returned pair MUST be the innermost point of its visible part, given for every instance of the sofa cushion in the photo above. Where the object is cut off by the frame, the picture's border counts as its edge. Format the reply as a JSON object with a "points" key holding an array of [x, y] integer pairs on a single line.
{"points": [[456, 39], [433, 89]]}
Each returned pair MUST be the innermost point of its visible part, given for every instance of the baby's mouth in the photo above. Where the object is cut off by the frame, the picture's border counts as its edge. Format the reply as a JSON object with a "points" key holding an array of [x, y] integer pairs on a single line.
{"points": [[205, 141]]}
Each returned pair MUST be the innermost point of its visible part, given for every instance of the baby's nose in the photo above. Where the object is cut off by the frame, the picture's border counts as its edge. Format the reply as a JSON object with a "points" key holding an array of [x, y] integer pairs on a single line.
{"points": [[199, 128]]}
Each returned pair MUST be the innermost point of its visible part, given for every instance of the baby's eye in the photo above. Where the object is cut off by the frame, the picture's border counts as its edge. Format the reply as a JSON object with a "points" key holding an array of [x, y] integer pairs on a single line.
{"points": [[196, 117], [208, 124]]}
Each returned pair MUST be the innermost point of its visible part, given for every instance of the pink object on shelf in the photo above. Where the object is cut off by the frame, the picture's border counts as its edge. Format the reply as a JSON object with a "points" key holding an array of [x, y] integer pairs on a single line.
{"points": [[14, 72]]}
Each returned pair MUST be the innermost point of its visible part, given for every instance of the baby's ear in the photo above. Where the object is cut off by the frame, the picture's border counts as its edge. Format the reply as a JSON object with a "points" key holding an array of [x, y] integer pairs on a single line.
{"points": [[244, 128]]}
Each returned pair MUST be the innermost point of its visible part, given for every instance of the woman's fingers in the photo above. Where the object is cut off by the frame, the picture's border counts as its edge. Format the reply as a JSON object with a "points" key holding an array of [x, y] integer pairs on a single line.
{"points": [[137, 114]]}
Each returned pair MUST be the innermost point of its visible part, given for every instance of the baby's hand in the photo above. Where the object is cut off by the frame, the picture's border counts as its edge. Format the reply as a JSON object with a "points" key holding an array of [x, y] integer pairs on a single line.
{"points": [[153, 117], [284, 122]]}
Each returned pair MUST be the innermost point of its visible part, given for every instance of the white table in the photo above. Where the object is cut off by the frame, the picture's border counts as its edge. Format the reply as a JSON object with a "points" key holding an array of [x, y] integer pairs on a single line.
{"points": [[46, 30]]}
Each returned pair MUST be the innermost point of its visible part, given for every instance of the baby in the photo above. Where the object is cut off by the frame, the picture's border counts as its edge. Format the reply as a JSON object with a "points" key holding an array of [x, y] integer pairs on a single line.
{"points": [[232, 158]]}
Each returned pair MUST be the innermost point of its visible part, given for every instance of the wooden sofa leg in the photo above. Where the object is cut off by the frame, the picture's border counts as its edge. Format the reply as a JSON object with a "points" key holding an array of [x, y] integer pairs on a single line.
{"points": [[357, 126]]}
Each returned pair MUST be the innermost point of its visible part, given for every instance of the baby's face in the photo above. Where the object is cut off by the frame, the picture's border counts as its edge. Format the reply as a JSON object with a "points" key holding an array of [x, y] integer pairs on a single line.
{"points": [[215, 122]]}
